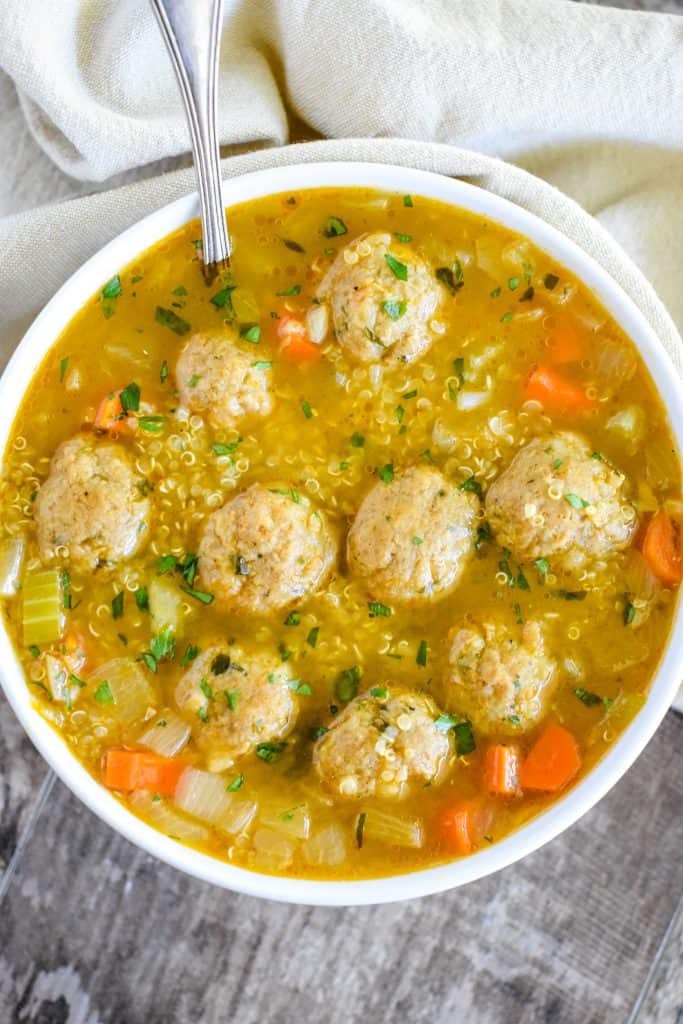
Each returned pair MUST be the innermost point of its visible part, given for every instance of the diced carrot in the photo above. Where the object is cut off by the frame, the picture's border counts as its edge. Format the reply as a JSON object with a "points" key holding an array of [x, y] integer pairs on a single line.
{"points": [[73, 650], [566, 345], [295, 344], [461, 825], [110, 415], [137, 769], [556, 392], [552, 762], [501, 769], [662, 549]]}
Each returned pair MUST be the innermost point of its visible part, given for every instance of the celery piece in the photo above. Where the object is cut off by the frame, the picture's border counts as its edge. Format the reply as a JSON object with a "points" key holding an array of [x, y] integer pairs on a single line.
{"points": [[43, 618]]}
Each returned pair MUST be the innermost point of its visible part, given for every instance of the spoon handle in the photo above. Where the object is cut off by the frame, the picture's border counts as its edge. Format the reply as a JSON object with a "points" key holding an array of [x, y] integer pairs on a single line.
{"points": [[192, 33]]}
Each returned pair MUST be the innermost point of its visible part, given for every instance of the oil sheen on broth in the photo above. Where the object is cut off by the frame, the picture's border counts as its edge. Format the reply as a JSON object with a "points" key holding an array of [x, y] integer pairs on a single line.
{"points": [[354, 561]]}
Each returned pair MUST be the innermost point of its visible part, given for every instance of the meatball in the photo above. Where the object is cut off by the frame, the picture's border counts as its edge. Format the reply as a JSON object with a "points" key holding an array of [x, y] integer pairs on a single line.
{"points": [[498, 676], [219, 380], [91, 504], [264, 550], [380, 745], [380, 313], [561, 501], [237, 701], [412, 537]]}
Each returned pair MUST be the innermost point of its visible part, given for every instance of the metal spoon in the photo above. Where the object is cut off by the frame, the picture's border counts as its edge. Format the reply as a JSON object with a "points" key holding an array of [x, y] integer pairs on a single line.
{"points": [[192, 33]]}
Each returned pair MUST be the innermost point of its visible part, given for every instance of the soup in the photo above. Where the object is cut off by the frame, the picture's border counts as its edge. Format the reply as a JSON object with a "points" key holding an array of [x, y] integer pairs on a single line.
{"points": [[354, 561]]}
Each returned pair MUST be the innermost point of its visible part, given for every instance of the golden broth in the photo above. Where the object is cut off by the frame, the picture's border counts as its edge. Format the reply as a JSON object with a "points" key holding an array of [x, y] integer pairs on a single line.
{"points": [[507, 300]]}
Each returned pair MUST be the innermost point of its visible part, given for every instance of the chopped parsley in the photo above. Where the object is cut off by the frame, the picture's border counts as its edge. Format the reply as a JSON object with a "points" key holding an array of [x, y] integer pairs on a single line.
{"points": [[63, 363], [575, 501], [312, 638], [117, 605], [407, 200], [629, 612], [542, 566], [289, 243], [293, 619], [334, 227], [306, 409], [379, 691], [421, 656], [394, 308], [303, 689], [190, 654], [378, 610], [386, 473], [471, 484], [270, 752], [592, 699], [357, 440], [225, 449], [346, 684], [205, 687], [236, 783], [294, 290], [513, 282], [360, 826], [448, 278], [397, 268], [103, 694], [130, 397], [550, 280], [223, 298], [152, 424], [251, 333], [163, 372], [198, 595], [175, 323]]}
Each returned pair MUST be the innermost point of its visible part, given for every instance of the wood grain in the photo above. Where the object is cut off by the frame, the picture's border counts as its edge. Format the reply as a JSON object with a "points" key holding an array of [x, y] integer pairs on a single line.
{"points": [[94, 931]]}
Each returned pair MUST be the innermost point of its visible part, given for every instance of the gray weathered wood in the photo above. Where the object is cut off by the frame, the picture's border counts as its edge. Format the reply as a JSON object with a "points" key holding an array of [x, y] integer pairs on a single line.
{"points": [[661, 999], [92, 930]]}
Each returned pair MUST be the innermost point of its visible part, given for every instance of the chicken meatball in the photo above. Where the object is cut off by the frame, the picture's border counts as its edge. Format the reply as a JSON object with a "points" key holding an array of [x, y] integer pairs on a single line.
{"points": [[264, 550], [412, 537], [381, 745], [382, 298], [238, 700], [218, 380], [91, 504], [499, 676], [561, 501]]}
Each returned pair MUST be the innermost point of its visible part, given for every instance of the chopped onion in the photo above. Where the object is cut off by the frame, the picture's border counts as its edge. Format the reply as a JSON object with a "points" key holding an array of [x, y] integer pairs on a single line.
{"points": [[166, 820], [467, 400], [442, 437], [165, 605], [615, 363], [573, 668], [392, 829], [375, 374], [202, 795], [11, 558], [661, 463], [245, 306], [317, 322], [638, 577], [629, 424], [132, 695], [238, 817], [516, 254], [674, 507], [488, 256], [290, 821], [326, 848], [56, 675], [273, 851], [167, 735]]}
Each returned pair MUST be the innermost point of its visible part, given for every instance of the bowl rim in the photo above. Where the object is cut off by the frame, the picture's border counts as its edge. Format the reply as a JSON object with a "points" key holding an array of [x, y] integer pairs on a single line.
{"points": [[108, 261]]}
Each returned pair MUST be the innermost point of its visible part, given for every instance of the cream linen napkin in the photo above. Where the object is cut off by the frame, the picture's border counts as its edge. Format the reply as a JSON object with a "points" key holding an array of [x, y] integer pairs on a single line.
{"points": [[587, 98]]}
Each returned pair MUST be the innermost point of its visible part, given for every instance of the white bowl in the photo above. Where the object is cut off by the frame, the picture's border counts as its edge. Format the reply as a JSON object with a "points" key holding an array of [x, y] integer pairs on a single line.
{"points": [[88, 280]]}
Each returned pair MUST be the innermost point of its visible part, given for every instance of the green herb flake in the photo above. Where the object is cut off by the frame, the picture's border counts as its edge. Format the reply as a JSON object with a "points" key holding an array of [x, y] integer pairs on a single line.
{"points": [[34, 651], [175, 323], [346, 684], [165, 564], [293, 619], [527, 295], [357, 440], [117, 605], [422, 652], [191, 652], [198, 595], [152, 424], [495, 293], [407, 395], [112, 289], [401, 237], [587, 698], [394, 308], [130, 397], [142, 599], [445, 722], [306, 409], [303, 689], [597, 456], [225, 449], [262, 364], [575, 501], [103, 694], [223, 298], [231, 698], [163, 372], [448, 278], [465, 742], [63, 364], [205, 687], [629, 613], [506, 318], [459, 367], [293, 246], [400, 413], [294, 290], [550, 280], [519, 618], [542, 565], [334, 227], [312, 638], [360, 826], [270, 752], [407, 200], [571, 595], [380, 692], [378, 610], [397, 268], [513, 282], [236, 784], [386, 473], [471, 484], [251, 333]]}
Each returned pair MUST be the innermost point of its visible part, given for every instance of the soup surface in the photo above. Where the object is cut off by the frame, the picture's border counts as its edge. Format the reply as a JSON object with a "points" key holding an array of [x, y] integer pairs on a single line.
{"points": [[354, 561]]}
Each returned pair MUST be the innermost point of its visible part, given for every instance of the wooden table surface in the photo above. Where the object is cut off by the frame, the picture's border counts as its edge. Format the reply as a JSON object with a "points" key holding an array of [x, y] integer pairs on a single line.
{"points": [[589, 930]]}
